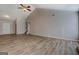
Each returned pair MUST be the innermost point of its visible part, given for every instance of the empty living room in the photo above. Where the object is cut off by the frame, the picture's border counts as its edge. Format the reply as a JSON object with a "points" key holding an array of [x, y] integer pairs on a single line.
{"points": [[39, 29]]}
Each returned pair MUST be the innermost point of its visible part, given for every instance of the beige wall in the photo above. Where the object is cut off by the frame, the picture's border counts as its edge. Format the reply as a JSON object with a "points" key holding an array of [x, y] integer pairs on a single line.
{"points": [[63, 25], [0, 28]]}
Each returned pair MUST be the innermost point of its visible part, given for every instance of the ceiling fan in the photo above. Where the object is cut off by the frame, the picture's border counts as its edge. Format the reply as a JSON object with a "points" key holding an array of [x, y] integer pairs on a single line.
{"points": [[25, 8]]}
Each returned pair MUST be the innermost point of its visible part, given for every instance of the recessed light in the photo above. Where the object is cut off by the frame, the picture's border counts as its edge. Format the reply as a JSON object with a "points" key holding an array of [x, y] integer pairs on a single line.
{"points": [[6, 16]]}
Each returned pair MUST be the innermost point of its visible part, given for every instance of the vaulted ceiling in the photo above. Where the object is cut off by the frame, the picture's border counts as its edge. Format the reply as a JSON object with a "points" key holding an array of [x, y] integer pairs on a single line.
{"points": [[65, 7], [11, 11]]}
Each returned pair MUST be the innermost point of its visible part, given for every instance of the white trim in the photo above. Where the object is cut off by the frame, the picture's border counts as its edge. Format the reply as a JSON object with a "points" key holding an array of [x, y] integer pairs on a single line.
{"points": [[55, 37]]}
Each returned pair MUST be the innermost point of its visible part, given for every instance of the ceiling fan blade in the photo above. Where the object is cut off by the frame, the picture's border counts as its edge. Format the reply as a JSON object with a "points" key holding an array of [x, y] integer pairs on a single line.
{"points": [[28, 9], [25, 6], [22, 5], [28, 6]]}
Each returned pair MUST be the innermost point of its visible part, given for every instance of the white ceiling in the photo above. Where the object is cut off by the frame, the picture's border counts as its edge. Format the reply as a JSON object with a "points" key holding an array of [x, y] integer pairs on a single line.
{"points": [[66, 7], [12, 10]]}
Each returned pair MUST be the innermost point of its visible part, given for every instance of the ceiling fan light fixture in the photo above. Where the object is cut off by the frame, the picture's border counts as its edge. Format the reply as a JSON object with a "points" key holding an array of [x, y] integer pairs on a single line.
{"points": [[24, 9]]}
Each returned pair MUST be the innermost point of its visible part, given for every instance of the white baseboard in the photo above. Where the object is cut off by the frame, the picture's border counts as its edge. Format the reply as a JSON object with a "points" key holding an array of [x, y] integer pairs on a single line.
{"points": [[56, 37]]}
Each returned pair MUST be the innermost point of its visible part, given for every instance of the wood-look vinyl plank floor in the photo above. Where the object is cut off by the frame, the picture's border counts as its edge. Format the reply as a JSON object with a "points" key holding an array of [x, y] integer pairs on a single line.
{"points": [[36, 45]]}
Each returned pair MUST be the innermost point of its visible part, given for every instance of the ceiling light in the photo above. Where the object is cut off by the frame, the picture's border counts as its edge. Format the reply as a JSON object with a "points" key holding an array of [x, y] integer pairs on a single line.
{"points": [[6, 16], [24, 9]]}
